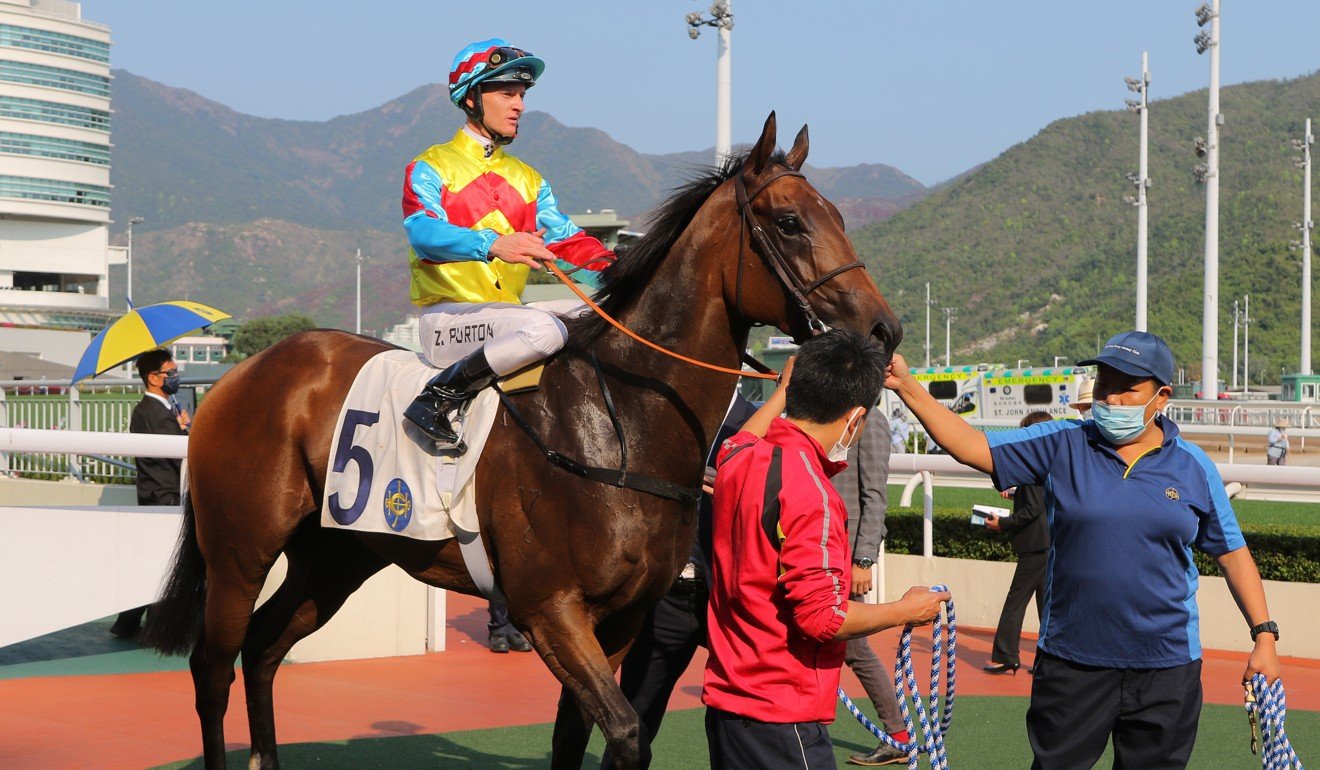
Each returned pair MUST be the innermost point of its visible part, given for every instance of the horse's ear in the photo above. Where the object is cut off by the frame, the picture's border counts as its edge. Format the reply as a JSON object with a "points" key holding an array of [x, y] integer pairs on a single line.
{"points": [[765, 147], [798, 155]]}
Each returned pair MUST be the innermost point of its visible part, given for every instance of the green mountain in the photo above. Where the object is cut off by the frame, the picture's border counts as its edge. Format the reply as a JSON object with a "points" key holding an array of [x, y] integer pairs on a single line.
{"points": [[1037, 248], [181, 158], [255, 215]]}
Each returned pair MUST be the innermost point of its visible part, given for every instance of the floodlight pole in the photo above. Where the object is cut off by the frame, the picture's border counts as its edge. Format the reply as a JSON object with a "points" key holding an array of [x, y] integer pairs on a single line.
{"points": [[1306, 226], [722, 19], [1210, 306], [1143, 183], [927, 324], [1246, 344], [724, 86], [357, 326], [1237, 316], [949, 314], [128, 263]]}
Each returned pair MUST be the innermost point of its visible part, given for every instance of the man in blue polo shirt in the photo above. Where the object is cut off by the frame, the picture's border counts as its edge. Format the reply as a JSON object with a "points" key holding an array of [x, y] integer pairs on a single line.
{"points": [[1127, 499]]}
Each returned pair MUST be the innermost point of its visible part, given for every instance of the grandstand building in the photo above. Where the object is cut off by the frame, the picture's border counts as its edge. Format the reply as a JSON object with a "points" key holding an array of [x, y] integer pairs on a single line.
{"points": [[54, 167]]}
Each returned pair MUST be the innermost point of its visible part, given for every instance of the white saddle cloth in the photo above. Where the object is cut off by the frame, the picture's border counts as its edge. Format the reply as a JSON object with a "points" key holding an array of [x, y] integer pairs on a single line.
{"points": [[384, 474]]}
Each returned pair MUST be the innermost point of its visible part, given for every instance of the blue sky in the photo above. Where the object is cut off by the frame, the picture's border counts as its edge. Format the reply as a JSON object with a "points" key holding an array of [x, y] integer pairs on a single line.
{"points": [[931, 87]]}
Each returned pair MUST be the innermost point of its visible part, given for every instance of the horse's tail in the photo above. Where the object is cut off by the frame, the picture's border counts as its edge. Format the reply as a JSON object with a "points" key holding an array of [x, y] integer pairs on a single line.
{"points": [[174, 622]]}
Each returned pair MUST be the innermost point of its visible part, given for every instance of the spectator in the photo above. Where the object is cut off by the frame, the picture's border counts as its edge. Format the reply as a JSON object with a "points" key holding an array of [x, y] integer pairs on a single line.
{"points": [[779, 614], [898, 431], [157, 477], [1083, 401], [864, 487], [503, 636], [1276, 450], [677, 624], [1119, 657], [1029, 533]]}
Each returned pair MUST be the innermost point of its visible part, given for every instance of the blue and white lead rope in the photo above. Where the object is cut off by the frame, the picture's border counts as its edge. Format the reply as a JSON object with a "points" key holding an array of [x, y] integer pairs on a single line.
{"points": [[932, 735], [1269, 706]]}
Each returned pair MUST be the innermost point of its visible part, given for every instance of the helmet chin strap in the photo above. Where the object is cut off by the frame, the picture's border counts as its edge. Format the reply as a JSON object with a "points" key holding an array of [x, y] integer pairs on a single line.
{"points": [[477, 114]]}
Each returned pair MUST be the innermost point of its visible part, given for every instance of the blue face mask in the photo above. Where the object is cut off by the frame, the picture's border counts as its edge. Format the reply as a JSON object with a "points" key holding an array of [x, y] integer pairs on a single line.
{"points": [[171, 384], [1121, 424]]}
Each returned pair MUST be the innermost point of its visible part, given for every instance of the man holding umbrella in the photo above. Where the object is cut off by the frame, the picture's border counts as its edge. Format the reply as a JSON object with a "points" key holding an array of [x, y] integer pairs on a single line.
{"points": [[157, 477]]}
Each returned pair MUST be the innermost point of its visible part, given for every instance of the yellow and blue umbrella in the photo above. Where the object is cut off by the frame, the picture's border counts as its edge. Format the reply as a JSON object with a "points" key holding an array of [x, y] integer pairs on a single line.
{"points": [[142, 329]]}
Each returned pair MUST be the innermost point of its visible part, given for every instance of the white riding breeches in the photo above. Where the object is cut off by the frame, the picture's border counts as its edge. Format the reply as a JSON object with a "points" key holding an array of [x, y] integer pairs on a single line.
{"points": [[513, 335]]}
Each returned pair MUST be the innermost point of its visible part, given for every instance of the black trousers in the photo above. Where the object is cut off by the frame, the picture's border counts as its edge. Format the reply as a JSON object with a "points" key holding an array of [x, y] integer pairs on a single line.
{"points": [[499, 623], [1151, 713], [1028, 579], [669, 638], [745, 744]]}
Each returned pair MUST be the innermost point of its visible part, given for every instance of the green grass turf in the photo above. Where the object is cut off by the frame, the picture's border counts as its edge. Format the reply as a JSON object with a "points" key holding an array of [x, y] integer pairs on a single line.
{"points": [[986, 733], [1249, 512]]}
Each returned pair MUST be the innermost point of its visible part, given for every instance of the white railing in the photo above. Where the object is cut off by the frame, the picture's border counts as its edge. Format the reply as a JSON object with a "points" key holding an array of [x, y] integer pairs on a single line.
{"points": [[1262, 482], [101, 406]]}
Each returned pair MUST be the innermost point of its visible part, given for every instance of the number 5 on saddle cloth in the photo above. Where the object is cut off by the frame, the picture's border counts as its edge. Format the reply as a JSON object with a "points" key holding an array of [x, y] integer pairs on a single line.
{"points": [[383, 475]]}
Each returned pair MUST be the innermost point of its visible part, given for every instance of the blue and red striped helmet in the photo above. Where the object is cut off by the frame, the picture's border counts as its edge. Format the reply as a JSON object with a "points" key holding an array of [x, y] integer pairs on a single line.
{"points": [[491, 61]]}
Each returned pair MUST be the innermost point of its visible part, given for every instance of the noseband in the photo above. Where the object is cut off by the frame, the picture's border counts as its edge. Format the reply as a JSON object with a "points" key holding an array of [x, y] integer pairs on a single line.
{"points": [[774, 259]]}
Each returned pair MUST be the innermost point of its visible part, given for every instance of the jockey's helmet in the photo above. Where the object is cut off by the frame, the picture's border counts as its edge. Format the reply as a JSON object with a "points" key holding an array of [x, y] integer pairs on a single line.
{"points": [[491, 61]]}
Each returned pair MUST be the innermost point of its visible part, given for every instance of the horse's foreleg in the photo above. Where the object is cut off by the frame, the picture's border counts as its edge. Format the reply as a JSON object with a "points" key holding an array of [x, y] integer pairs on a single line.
{"points": [[585, 664], [321, 576]]}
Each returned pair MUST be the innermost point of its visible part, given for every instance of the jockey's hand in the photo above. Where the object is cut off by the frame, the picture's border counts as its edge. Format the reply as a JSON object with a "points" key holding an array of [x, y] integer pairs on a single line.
{"points": [[522, 249]]}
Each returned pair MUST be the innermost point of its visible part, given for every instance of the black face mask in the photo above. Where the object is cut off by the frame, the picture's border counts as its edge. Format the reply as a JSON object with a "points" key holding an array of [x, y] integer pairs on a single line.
{"points": [[171, 384]]}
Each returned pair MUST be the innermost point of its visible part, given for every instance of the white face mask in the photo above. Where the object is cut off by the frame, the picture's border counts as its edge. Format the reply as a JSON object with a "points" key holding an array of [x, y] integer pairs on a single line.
{"points": [[839, 452]]}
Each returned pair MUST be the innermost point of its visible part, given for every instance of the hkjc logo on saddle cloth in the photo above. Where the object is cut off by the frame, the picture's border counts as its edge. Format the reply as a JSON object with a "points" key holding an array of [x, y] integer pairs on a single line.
{"points": [[383, 475]]}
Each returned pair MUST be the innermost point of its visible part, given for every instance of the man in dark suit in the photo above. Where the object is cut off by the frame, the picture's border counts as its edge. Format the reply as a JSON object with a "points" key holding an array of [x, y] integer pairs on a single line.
{"points": [[157, 477]]}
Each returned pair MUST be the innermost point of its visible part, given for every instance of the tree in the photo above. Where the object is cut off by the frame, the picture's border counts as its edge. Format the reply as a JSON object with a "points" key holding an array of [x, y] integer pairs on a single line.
{"points": [[260, 333]]}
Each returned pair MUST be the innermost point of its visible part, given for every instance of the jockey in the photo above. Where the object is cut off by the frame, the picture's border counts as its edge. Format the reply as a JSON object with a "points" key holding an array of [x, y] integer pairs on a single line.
{"points": [[478, 220]]}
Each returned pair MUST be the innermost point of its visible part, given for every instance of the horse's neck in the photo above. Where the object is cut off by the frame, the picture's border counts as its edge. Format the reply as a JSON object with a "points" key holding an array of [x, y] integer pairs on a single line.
{"points": [[683, 308]]}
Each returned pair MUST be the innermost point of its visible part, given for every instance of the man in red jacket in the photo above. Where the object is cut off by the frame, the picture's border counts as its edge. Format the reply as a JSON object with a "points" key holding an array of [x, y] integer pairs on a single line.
{"points": [[779, 612]]}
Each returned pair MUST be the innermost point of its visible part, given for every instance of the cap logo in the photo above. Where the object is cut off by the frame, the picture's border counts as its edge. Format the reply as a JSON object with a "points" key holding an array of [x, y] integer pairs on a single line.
{"points": [[1125, 349], [1172, 493]]}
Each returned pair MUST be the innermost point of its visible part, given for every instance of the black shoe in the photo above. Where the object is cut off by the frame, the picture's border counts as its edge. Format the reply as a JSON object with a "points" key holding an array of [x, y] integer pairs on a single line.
{"points": [[1002, 668], [519, 643], [884, 754], [448, 390], [499, 643]]}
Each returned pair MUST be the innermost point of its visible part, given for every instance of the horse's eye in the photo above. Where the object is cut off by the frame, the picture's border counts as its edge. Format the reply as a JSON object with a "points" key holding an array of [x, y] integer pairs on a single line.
{"points": [[789, 225]]}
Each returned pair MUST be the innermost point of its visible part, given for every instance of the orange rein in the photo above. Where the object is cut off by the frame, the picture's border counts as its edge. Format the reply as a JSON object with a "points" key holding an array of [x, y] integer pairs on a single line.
{"points": [[725, 370]]}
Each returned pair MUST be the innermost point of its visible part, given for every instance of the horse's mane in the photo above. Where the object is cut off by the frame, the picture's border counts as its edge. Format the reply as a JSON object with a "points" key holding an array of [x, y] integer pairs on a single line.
{"points": [[630, 273]]}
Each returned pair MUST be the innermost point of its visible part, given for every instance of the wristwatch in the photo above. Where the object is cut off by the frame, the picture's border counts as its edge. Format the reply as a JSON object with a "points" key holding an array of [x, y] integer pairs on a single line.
{"points": [[864, 562], [1268, 627]]}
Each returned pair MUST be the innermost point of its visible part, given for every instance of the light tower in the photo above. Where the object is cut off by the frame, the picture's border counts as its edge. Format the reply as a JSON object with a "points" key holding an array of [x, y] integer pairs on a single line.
{"points": [[1209, 174], [928, 305], [950, 313], [1303, 162], [1142, 182], [721, 17]]}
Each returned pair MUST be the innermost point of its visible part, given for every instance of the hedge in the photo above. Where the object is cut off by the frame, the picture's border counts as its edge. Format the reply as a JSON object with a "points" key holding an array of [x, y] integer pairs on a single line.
{"points": [[1290, 554]]}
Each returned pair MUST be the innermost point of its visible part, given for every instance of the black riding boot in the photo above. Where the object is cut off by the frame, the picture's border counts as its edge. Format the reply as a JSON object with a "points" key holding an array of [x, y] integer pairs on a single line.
{"points": [[448, 390]]}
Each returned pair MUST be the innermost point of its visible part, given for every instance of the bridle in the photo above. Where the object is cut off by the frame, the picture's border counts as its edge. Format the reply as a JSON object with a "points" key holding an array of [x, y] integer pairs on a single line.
{"points": [[773, 258]]}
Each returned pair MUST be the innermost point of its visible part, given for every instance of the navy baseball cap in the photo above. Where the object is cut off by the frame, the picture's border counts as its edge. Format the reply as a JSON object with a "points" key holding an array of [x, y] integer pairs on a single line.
{"points": [[1140, 354]]}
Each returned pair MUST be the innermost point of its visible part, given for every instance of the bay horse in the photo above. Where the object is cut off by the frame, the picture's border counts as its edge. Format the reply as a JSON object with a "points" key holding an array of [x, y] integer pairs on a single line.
{"points": [[579, 561]]}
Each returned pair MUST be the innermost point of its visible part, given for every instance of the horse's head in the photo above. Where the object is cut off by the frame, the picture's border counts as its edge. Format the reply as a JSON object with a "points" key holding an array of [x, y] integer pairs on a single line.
{"points": [[796, 269]]}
